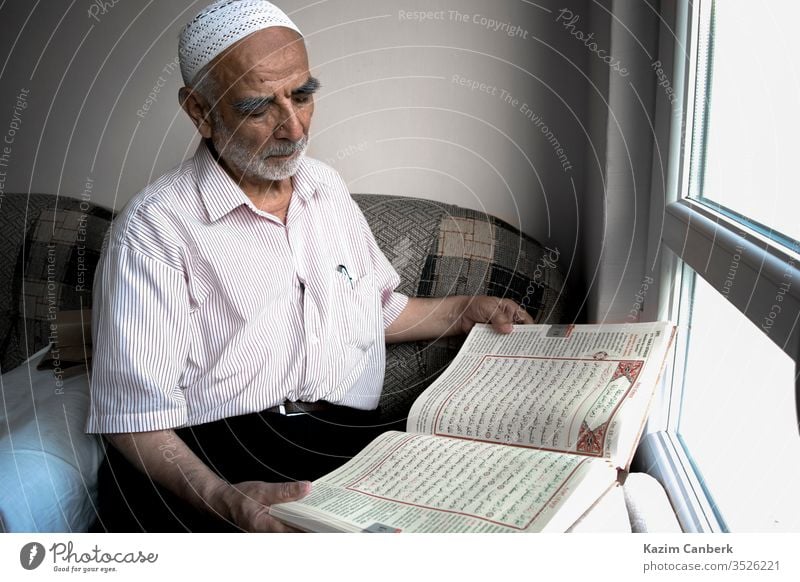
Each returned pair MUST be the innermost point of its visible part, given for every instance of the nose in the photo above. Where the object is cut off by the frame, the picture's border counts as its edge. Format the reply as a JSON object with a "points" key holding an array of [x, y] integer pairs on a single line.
{"points": [[289, 125]]}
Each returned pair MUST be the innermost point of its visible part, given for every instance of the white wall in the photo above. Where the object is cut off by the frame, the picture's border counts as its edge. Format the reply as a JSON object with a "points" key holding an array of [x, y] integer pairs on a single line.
{"points": [[390, 117]]}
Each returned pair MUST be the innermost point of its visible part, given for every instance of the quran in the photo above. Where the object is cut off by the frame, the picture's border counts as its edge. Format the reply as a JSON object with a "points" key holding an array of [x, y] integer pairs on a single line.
{"points": [[524, 432]]}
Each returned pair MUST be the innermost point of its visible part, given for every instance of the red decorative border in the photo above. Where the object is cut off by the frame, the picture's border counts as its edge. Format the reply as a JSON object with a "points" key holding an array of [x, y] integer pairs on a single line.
{"points": [[591, 441], [628, 368]]}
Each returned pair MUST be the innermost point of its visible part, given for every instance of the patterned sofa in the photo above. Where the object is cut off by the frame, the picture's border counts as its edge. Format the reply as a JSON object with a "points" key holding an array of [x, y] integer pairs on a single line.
{"points": [[51, 246]]}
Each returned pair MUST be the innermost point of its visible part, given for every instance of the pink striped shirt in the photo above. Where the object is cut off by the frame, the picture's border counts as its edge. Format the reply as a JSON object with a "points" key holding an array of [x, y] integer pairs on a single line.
{"points": [[206, 307]]}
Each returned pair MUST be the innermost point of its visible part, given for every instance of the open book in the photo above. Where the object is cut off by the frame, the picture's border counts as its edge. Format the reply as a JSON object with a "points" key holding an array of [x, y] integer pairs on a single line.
{"points": [[522, 432]]}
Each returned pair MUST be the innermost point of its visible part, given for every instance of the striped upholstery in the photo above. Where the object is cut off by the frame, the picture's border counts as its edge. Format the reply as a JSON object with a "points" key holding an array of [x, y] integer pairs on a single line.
{"points": [[51, 246]]}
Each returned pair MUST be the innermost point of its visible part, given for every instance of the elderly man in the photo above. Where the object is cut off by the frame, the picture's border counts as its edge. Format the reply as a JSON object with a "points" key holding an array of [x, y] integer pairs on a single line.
{"points": [[242, 304]]}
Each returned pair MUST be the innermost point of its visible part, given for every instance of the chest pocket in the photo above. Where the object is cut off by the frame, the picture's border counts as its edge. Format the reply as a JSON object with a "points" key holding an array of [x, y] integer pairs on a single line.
{"points": [[354, 308]]}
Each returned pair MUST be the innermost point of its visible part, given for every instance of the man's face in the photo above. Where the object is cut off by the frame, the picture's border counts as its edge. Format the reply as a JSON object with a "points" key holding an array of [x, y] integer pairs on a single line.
{"points": [[260, 122]]}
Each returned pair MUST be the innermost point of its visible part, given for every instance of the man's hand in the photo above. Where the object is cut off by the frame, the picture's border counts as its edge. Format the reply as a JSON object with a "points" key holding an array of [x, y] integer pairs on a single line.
{"points": [[182, 472], [501, 313], [247, 504], [427, 319]]}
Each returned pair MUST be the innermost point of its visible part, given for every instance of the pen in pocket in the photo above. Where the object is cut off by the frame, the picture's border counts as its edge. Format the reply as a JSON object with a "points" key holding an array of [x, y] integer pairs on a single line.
{"points": [[343, 270]]}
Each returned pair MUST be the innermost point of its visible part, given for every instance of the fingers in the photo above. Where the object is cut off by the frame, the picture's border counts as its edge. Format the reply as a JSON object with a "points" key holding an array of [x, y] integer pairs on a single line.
{"points": [[502, 314], [506, 314], [269, 493], [293, 490], [250, 507], [502, 318], [522, 316]]}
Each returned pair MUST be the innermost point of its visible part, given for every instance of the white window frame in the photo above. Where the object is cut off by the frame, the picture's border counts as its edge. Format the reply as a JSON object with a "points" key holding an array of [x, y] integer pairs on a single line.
{"points": [[696, 237]]}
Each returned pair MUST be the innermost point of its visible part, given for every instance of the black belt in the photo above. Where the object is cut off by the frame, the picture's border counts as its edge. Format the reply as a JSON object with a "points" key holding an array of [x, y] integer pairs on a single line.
{"points": [[296, 408]]}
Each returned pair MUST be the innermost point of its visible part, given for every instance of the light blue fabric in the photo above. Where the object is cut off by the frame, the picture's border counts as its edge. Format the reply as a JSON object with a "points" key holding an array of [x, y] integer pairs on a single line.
{"points": [[48, 465]]}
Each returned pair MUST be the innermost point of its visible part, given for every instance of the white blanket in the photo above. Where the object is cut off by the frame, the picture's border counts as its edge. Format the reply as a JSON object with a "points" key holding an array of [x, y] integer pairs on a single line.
{"points": [[48, 466]]}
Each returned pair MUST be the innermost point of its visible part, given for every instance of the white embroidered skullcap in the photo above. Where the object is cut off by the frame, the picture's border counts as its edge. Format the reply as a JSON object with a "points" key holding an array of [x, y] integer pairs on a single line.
{"points": [[220, 25]]}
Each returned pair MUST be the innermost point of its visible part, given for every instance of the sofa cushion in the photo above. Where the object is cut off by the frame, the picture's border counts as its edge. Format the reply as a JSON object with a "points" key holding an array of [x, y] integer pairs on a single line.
{"points": [[49, 256]]}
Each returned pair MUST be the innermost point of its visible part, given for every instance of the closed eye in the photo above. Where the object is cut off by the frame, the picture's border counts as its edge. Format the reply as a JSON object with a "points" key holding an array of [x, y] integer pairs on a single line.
{"points": [[305, 91], [253, 106], [257, 106]]}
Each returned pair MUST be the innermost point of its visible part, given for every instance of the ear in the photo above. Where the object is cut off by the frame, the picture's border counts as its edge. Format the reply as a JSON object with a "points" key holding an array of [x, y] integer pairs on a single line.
{"points": [[197, 109]]}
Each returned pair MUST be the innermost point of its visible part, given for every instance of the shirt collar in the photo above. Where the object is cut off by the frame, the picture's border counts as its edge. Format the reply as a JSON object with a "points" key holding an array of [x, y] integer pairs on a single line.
{"points": [[221, 195]]}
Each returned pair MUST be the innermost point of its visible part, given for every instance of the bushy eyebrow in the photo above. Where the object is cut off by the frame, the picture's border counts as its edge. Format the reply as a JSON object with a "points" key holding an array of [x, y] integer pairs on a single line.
{"points": [[308, 88], [250, 105]]}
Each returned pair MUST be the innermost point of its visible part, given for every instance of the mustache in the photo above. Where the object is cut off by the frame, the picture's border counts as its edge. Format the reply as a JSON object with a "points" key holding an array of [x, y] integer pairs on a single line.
{"points": [[286, 148]]}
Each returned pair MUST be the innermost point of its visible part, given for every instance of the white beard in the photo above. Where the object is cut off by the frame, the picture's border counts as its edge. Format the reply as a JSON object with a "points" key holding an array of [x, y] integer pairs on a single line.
{"points": [[250, 163]]}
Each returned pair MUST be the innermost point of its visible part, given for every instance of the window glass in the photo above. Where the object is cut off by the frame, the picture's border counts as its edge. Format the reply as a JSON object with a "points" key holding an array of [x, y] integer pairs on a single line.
{"points": [[752, 113], [737, 422]]}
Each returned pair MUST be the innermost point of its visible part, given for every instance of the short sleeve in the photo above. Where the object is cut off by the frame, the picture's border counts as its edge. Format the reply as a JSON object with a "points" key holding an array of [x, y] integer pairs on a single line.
{"points": [[141, 334]]}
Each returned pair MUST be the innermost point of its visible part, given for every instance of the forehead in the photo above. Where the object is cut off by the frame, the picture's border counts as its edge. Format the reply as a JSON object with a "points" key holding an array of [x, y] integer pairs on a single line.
{"points": [[264, 61]]}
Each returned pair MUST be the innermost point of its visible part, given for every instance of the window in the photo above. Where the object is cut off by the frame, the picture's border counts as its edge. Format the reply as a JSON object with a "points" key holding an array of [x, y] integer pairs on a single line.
{"points": [[729, 447], [737, 419], [750, 106]]}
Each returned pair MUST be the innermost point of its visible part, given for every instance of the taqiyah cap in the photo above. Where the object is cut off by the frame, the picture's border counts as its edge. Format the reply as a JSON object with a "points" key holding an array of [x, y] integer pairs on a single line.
{"points": [[220, 25]]}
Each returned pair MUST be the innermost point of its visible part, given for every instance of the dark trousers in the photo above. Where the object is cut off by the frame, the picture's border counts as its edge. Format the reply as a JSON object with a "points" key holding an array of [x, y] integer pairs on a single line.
{"points": [[255, 447]]}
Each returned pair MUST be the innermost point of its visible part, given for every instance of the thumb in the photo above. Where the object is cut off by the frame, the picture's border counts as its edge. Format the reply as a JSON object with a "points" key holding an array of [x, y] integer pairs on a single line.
{"points": [[289, 491], [502, 322]]}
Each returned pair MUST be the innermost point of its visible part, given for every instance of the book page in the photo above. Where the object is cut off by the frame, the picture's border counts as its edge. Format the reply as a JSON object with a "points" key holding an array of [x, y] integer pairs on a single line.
{"points": [[421, 483], [558, 388]]}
